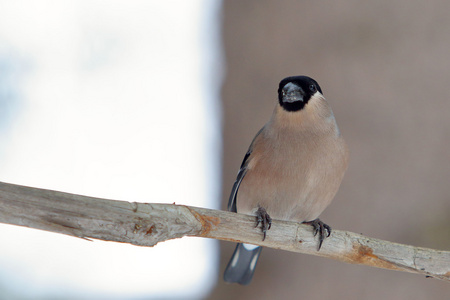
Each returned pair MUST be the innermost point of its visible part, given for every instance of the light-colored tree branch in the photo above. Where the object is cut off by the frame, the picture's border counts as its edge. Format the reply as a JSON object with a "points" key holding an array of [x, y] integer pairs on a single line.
{"points": [[146, 224]]}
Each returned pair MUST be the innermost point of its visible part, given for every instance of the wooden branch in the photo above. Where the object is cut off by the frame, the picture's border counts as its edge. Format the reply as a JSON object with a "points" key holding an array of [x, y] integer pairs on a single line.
{"points": [[146, 224]]}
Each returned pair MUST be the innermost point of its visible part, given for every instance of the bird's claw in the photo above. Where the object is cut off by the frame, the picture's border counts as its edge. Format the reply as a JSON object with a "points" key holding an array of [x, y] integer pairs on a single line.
{"points": [[320, 228], [266, 221]]}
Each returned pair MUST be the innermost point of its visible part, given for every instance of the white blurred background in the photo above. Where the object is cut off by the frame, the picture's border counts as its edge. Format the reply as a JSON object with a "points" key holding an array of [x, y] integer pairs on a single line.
{"points": [[113, 99]]}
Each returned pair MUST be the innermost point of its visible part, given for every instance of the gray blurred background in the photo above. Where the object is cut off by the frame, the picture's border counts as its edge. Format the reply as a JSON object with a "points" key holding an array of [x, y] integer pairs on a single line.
{"points": [[385, 68]]}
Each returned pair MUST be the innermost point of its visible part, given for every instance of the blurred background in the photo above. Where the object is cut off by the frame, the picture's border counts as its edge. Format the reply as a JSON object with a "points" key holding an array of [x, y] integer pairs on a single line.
{"points": [[208, 71], [384, 66], [118, 100]]}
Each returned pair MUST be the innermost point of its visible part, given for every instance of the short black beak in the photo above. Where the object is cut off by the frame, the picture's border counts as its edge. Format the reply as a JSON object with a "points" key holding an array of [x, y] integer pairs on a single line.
{"points": [[292, 93]]}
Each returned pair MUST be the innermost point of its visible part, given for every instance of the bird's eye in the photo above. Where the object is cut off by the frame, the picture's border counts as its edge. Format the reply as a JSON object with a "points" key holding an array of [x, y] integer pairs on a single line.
{"points": [[312, 88]]}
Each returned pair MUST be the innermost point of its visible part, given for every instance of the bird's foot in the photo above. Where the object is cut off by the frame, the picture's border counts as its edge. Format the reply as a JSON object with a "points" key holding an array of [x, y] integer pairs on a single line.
{"points": [[320, 228], [266, 221]]}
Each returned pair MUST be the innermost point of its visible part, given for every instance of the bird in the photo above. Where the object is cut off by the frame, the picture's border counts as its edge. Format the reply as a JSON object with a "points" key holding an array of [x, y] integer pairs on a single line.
{"points": [[291, 171]]}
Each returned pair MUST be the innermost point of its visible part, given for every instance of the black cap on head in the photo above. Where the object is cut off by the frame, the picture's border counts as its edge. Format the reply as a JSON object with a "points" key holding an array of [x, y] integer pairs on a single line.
{"points": [[294, 92]]}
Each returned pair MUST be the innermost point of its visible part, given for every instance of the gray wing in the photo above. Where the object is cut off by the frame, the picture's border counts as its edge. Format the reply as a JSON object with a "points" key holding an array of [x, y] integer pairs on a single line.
{"points": [[241, 175]]}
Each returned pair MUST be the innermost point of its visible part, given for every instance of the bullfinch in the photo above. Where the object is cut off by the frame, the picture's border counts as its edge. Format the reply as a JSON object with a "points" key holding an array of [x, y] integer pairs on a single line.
{"points": [[291, 171]]}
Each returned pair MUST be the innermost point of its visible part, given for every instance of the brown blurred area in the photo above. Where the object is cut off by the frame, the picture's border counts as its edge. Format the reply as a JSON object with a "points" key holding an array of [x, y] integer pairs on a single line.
{"points": [[384, 66]]}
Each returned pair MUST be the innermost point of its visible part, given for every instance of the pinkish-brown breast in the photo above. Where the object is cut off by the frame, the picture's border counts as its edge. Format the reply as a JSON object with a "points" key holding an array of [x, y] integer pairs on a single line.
{"points": [[294, 174]]}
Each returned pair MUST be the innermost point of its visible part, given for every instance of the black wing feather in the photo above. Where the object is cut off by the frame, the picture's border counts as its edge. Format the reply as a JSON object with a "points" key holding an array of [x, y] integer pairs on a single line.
{"points": [[240, 176]]}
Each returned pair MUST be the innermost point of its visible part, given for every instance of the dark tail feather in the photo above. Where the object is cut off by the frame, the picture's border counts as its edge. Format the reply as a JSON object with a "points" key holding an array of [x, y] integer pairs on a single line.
{"points": [[242, 264]]}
